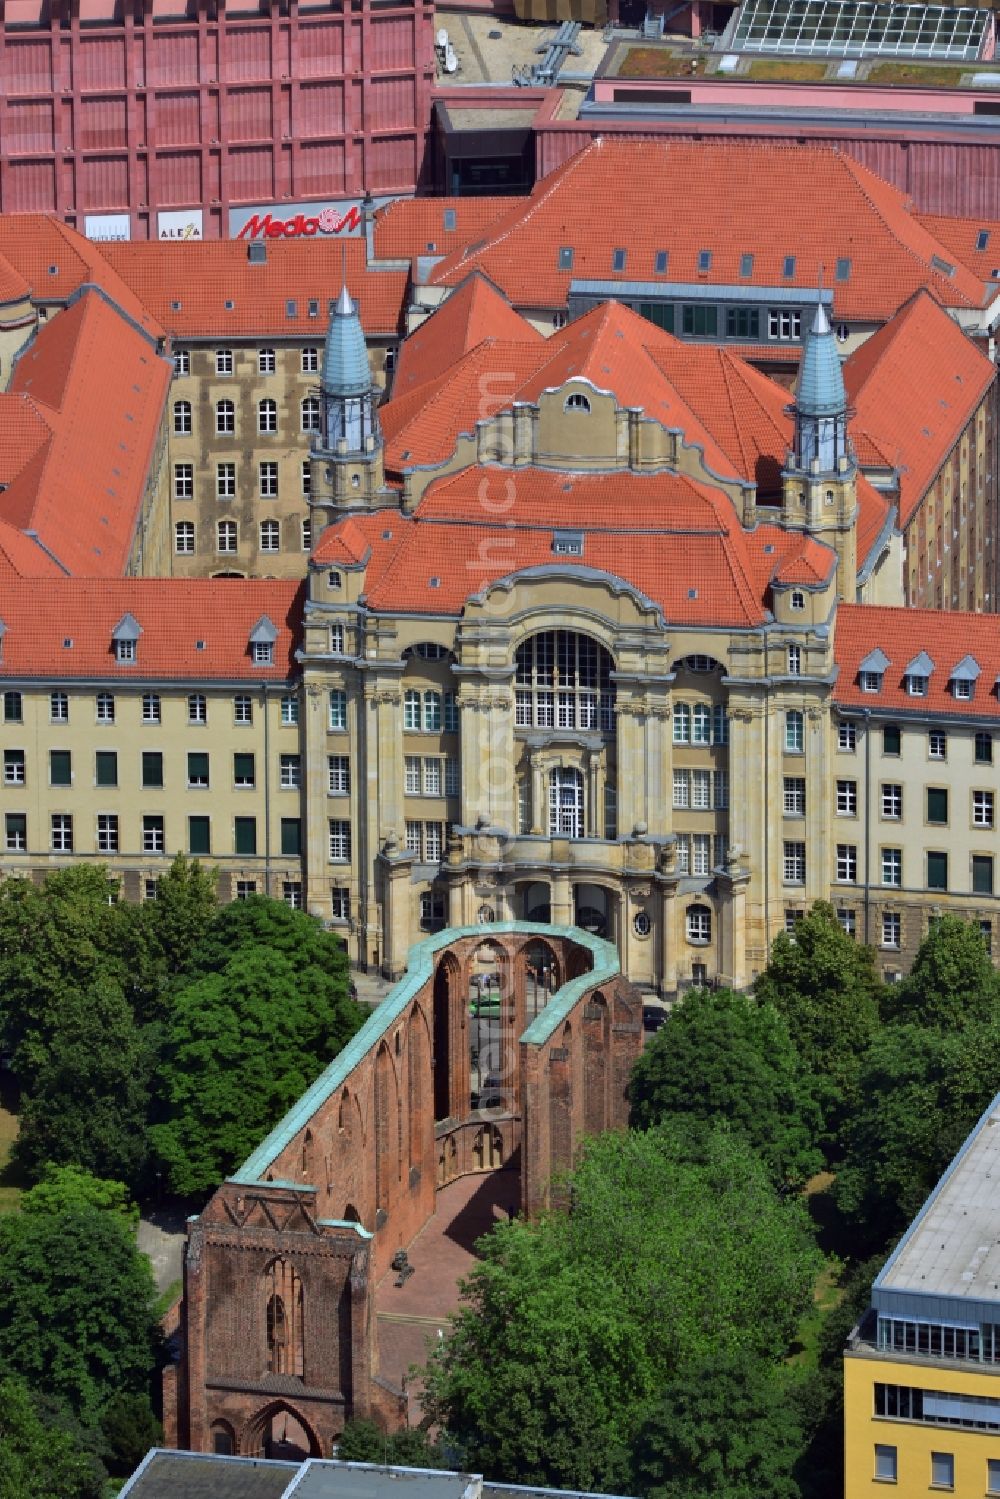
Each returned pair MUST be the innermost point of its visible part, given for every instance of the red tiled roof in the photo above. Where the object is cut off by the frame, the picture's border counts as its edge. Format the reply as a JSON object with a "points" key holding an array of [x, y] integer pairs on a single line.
{"points": [[473, 311], [97, 385], [55, 261], [22, 557], [807, 201], [947, 636], [23, 431], [674, 540], [409, 227], [873, 512], [349, 546], [960, 237], [812, 564], [914, 385], [173, 613], [201, 276], [13, 287]]}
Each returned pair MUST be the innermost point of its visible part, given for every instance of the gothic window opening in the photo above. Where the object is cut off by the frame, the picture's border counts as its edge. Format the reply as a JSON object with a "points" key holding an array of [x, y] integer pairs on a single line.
{"points": [[541, 979], [284, 1316], [563, 680]]}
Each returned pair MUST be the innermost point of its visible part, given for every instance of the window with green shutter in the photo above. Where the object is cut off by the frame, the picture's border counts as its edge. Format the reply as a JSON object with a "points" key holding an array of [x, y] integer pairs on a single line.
{"points": [[152, 768], [890, 739], [198, 768], [199, 835], [107, 767], [937, 871], [60, 768], [937, 804], [246, 835], [291, 835], [982, 874], [243, 770]]}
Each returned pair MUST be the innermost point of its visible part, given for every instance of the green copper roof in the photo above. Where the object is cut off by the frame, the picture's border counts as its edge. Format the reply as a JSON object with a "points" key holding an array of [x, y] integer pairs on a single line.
{"points": [[419, 969], [819, 390], [345, 356]]}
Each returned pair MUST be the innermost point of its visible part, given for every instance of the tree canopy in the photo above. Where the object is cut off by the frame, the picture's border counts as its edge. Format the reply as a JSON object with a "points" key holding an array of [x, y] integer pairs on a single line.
{"points": [[571, 1326], [39, 1457], [826, 986], [952, 982], [727, 1056], [77, 1300]]}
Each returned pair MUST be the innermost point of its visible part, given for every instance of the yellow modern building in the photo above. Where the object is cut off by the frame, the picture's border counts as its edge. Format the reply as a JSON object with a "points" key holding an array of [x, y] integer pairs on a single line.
{"points": [[922, 1370]]}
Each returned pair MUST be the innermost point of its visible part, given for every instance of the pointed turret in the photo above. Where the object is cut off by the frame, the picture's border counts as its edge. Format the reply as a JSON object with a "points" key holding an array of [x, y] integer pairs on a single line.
{"points": [[820, 478], [346, 470]]}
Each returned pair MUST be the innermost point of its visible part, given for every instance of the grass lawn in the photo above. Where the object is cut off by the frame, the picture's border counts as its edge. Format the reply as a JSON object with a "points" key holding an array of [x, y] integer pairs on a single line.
{"points": [[926, 75], [10, 1196], [827, 1294], [659, 62], [787, 70]]}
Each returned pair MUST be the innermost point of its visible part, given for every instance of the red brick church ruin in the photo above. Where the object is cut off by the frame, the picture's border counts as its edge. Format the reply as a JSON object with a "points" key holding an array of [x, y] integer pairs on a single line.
{"points": [[500, 1048]]}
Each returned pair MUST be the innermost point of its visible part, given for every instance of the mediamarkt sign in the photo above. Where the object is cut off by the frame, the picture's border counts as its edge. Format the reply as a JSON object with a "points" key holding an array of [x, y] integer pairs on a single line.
{"points": [[300, 226]]}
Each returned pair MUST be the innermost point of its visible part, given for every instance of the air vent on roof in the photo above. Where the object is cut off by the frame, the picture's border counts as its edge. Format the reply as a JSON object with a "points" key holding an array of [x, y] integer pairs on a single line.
{"points": [[746, 265], [944, 266], [450, 220], [704, 260], [769, 548], [257, 252], [229, 304], [431, 246], [291, 308], [199, 645], [68, 644], [842, 270], [982, 239], [175, 307], [660, 264], [788, 269], [53, 270], [692, 593], [386, 535], [434, 583]]}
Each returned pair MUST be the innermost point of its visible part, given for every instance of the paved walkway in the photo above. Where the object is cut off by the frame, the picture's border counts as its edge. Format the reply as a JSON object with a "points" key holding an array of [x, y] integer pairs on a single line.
{"points": [[410, 1316], [162, 1237]]}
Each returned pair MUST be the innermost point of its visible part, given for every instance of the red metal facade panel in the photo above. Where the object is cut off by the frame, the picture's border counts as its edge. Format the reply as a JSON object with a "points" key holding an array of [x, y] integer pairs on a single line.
{"points": [[212, 110]]}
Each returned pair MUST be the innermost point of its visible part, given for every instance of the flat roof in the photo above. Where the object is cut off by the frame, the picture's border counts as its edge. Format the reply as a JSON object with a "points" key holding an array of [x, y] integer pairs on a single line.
{"points": [[951, 1251]]}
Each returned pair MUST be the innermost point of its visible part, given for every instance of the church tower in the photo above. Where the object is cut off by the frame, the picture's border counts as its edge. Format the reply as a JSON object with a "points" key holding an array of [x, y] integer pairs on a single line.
{"points": [[346, 463], [820, 477]]}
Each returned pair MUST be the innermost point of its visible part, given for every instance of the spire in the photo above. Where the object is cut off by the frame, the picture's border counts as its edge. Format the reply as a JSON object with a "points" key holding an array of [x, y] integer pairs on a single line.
{"points": [[345, 356], [819, 390]]}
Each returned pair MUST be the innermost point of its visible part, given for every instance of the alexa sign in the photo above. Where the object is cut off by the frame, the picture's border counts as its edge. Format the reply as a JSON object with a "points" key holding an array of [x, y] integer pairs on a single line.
{"points": [[301, 225]]}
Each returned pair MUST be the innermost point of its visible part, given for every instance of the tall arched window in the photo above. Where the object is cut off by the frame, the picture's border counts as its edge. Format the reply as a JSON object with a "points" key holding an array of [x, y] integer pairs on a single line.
{"points": [[284, 1319], [267, 416], [225, 417], [182, 418], [310, 414], [563, 680], [565, 803]]}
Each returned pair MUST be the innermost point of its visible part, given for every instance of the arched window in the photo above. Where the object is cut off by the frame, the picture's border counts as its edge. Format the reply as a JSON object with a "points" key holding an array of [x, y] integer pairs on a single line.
{"points": [[225, 417], [682, 723], [284, 1319], [307, 1155], [267, 416], [577, 402], [338, 709], [182, 418], [701, 724], [563, 680], [699, 924], [223, 1438], [184, 537], [541, 978], [310, 414], [432, 712], [794, 732]]}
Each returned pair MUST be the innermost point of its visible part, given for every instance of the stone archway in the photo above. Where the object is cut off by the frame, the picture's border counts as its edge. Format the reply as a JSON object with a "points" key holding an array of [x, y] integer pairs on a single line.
{"points": [[279, 1431]]}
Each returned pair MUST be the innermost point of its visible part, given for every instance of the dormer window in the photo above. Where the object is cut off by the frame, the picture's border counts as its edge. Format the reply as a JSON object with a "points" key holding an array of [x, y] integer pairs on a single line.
{"points": [[125, 640], [567, 543], [871, 671], [918, 675], [963, 679], [262, 641], [334, 579], [577, 402], [798, 599]]}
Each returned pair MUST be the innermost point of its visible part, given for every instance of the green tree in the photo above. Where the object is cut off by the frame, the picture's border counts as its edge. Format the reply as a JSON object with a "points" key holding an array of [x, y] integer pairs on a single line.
{"points": [[362, 1441], [243, 1043], [129, 1429], [262, 923], [727, 1427], [87, 1105], [39, 1458], [571, 1326], [76, 1307], [54, 939], [162, 934], [952, 982], [826, 986], [921, 1091], [726, 1056], [62, 1189]]}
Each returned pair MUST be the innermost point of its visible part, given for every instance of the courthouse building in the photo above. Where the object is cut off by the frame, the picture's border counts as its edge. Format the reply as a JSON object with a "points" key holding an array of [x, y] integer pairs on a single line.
{"points": [[601, 627]]}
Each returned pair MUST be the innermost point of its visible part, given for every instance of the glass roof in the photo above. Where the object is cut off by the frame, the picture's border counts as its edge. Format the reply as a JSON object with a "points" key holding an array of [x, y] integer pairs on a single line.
{"points": [[855, 28]]}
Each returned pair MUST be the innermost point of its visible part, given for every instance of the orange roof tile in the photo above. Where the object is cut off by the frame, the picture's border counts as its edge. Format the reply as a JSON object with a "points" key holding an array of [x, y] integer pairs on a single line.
{"points": [[960, 237], [408, 227], [674, 540], [811, 565], [55, 261], [947, 636], [100, 389], [23, 431], [13, 287], [22, 557], [174, 615], [187, 283], [810, 202], [473, 311], [914, 385]]}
